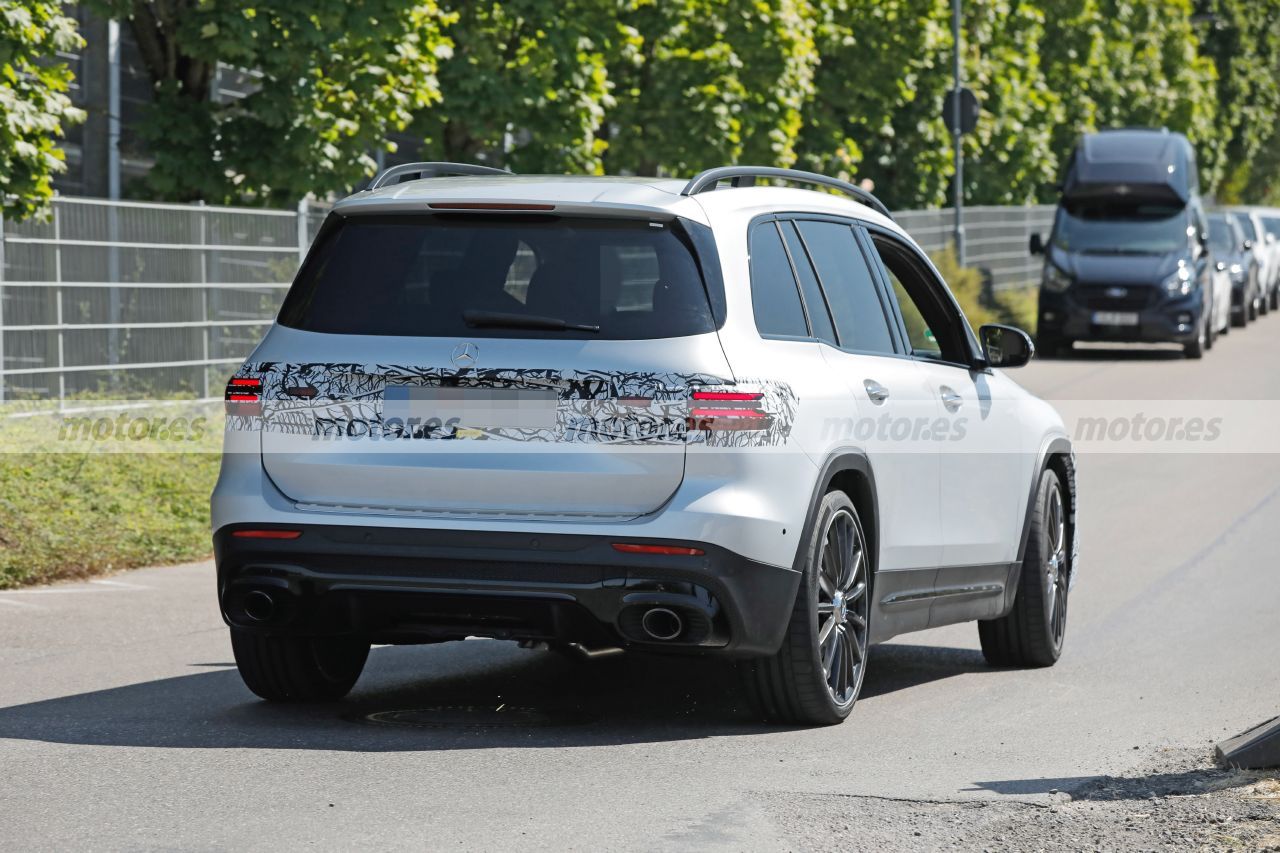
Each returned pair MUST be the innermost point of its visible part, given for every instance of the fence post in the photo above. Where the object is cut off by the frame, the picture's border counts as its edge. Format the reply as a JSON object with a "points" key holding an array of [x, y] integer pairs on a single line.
{"points": [[304, 231], [3, 387], [206, 331], [57, 277]]}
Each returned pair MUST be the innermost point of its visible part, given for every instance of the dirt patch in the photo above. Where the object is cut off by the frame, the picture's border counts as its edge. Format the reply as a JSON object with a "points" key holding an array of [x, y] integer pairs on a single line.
{"points": [[1180, 802]]}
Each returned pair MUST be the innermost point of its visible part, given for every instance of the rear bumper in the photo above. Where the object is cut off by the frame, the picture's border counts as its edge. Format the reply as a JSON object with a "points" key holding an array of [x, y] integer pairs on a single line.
{"points": [[1169, 320], [403, 585]]}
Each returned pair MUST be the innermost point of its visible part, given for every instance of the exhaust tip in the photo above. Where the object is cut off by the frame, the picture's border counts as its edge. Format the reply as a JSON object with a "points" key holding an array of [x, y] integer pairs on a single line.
{"points": [[661, 623], [258, 605]]}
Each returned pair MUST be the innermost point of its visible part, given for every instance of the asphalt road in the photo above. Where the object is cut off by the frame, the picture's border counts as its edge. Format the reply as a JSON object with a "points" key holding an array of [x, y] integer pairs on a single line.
{"points": [[124, 725]]}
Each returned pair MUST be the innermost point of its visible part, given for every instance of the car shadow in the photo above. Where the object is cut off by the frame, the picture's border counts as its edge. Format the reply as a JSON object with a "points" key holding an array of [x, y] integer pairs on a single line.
{"points": [[472, 695], [1117, 788], [1126, 353]]}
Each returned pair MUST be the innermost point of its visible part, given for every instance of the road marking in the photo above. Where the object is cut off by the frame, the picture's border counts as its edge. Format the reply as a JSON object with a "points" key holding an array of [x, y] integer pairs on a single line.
{"points": [[22, 604], [120, 584]]}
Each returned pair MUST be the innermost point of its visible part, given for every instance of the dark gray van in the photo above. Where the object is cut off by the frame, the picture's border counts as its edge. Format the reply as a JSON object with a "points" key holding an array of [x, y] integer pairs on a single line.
{"points": [[1128, 257]]}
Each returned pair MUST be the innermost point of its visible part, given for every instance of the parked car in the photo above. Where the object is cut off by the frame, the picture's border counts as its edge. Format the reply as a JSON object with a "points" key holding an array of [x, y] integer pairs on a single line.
{"points": [[1227, 241], [700, 417], [1264, 249], [1127, 259], [1271, 222], [1221, 299]]}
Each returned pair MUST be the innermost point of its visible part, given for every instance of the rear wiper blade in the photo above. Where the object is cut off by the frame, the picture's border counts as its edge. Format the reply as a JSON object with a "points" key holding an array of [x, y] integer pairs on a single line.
{"points": [[499, 320]]}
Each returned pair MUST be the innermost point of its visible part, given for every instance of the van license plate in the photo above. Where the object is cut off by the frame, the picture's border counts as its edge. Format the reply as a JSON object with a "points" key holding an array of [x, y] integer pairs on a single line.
{"points": [[1115, 318]]}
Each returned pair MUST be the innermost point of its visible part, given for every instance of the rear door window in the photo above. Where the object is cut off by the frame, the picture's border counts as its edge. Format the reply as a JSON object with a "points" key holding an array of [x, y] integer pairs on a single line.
{"points": [[429, 276], [852, 293], [774, 297]]}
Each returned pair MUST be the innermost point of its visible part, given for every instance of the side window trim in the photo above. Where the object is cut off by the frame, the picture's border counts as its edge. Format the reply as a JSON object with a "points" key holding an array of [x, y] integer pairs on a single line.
{"points": [[763, 222], [789, 222], [876, 280], [933, 281]]}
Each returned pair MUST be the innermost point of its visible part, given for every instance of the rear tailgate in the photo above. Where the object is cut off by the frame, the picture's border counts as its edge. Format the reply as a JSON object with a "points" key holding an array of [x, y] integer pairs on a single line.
{"points": [[438, 439]]}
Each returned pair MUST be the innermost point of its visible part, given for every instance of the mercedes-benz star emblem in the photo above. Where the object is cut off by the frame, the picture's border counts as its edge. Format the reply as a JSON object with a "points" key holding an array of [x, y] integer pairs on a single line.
{"points": [[1117, 292], [464, 354]]}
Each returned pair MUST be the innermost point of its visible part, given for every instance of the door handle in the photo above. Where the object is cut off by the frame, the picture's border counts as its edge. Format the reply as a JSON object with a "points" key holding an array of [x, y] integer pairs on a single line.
{"points": [[877, 392], [950, 399]]}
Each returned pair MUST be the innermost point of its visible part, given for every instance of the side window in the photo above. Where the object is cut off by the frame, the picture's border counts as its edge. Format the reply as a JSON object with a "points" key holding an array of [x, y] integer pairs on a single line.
{"points": [[846, 279], [774, 297], [934, 329], [815, 302], [923, 341]]}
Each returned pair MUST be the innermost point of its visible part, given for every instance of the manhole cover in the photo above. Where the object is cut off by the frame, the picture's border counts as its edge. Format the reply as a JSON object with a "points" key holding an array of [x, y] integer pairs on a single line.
{"points": [[477, 716]]}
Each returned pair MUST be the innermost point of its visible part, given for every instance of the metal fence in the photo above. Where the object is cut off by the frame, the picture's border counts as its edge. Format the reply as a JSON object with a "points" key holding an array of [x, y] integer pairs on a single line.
{"points": [[137, 299]]}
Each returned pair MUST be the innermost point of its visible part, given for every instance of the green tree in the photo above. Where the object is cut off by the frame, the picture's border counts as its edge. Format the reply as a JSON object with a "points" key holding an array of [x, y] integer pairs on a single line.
{"points": [[1242, 37], [1010, 154], [1159, 78], [34, 107], [527, 84], [876, 111], [709, 82], [333, 79]]}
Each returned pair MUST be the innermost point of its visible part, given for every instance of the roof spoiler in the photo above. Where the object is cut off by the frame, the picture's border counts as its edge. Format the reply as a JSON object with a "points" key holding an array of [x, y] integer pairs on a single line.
{"points": [[418, 171]]}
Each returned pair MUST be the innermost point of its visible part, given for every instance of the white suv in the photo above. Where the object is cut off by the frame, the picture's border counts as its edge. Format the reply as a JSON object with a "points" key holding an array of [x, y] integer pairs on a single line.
{"points": [[705, 417]]}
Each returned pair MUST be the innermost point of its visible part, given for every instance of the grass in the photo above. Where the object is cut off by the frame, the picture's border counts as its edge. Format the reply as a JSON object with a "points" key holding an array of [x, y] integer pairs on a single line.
{"points": [[84, 508]]}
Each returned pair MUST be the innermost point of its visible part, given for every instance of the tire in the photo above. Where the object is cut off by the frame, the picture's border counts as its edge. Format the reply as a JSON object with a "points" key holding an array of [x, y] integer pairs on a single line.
{"points": [[1052, 346], [1240, 320], [1264, 304], [1275, 298], [298, 669], [1196, 348], [1253, 308], [813, 680], [1210, 332], [1031, 634]]}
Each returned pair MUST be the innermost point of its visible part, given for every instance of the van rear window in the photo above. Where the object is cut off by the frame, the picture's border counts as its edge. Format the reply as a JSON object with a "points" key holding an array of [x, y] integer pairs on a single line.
{"points": [[434, 275]]}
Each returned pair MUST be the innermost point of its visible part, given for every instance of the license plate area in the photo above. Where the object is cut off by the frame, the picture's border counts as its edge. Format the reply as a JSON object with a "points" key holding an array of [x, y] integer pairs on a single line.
{"points": [[452, 407], [1115, 318]]}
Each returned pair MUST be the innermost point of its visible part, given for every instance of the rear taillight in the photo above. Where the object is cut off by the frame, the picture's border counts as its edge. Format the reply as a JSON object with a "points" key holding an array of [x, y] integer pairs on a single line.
{"points": [[668, 550], [268, 533], [244, 396], [728, 410]]}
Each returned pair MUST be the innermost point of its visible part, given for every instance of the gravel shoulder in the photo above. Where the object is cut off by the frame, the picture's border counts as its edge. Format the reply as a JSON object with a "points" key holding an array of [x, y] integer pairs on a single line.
{"points": [[1181, 801]]}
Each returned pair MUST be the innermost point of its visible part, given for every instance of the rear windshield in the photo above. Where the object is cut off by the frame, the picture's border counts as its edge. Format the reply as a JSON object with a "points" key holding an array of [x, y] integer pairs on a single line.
{"points": [[418, 275]]}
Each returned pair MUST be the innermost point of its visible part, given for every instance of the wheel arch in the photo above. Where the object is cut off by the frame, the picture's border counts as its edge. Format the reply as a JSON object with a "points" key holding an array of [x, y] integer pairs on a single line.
{"points": [[847, 470], [1057, 456]]}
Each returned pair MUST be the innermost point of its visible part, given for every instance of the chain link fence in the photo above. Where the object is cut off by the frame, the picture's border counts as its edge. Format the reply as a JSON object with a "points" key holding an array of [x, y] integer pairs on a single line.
{"points": [[126, 299]]}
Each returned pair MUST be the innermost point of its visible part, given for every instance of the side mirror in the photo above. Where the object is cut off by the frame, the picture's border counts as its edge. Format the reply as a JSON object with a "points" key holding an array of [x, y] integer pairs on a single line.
{"points": [[1220, 266], [1005, 346], [1248, 244], [1037, 245], [1271, 238]]}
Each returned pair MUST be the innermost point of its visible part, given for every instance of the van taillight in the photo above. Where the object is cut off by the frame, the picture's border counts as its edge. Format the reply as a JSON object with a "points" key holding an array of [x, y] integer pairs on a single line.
{"points": [[244, 397], [728, 410]]}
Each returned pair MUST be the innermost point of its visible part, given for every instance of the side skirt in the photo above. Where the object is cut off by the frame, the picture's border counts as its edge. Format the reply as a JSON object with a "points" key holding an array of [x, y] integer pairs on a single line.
{"points": [[929, 598]]}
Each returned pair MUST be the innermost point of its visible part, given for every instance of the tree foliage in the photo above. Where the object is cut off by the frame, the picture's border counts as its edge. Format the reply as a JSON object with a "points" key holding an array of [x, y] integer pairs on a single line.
{"points": [[34, 106], [876, 112], [849, 87], [709, 82], [333, 79], [527, 84]]}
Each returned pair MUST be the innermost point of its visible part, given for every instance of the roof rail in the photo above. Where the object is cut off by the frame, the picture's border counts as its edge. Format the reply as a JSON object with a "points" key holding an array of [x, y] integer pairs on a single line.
{"points": [[396, 174], [744, 176]]}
